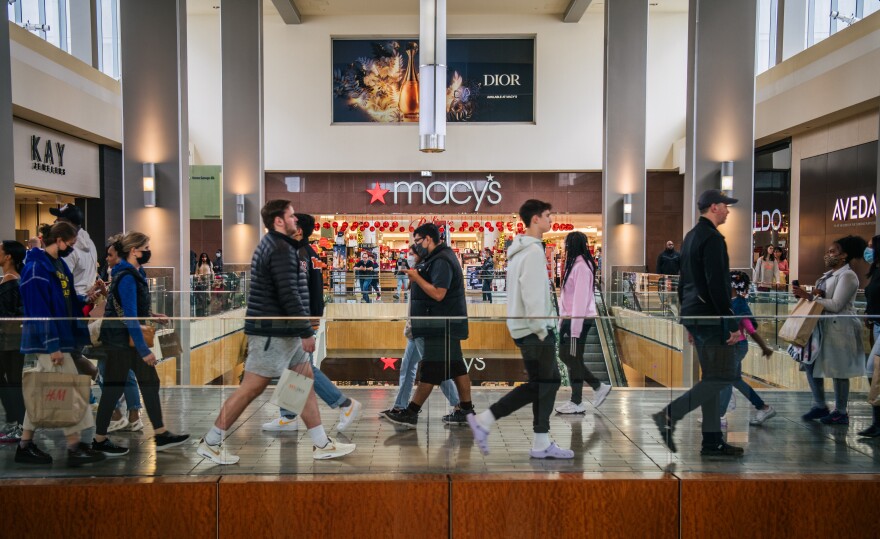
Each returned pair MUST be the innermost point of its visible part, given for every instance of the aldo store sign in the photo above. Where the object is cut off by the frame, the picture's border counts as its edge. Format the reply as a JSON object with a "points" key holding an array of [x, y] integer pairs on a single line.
{"points": [[53, 161], [460, 194]]}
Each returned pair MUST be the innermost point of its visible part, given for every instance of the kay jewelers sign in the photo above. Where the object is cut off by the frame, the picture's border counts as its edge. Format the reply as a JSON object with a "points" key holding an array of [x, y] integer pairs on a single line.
{"points": [[438, 193]]}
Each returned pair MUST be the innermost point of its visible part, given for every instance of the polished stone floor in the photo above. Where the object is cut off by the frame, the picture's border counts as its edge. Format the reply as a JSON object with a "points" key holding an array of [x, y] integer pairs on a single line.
{"points": [[618, 437]]}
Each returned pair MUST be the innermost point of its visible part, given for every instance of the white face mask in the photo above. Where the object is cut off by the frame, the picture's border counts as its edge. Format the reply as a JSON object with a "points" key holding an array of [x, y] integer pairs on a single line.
{"points": [[411, 260]]}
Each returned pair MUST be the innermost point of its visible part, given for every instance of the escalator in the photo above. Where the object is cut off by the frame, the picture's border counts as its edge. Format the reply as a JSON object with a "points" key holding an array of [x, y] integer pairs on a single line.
{"points": [[600, 353]]}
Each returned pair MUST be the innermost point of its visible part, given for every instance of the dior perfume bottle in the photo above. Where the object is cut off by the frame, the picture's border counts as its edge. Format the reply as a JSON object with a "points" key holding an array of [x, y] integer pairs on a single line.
{"points": [[409, 88]]}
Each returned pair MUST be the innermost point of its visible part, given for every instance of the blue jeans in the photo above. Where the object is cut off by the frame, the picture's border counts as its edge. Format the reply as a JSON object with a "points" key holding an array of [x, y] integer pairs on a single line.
{"points": [[402, 283], [365, 289], [129, 390], [324, 388], [739, 350], [409, 364]]}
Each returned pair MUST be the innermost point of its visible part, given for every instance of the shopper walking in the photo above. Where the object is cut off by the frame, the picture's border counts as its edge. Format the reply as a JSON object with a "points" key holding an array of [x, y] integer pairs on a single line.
{"points": [[767, 270], [872, 311], [487, 274], [363, 272], [531, 322], [840, 352], [402, 280], [280, 335], [669, 260], [704, 291], [204, 267], [578, 311], [11, 359], [51, 332], [438, 292], [349, 409], [129, 298]]}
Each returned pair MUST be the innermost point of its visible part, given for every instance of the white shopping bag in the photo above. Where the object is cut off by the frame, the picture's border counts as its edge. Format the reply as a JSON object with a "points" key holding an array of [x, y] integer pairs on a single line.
{"points": [[292, 391]]}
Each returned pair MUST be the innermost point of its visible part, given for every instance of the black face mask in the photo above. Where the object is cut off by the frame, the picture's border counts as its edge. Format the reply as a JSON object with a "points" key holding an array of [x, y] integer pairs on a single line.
{"points": [[421, 251], [144, 258], [65, 252]]}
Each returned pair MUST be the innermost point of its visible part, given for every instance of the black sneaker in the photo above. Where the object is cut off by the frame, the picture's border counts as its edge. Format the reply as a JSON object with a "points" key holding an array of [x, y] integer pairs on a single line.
{"points": [[389, 411], [32, 455], [457, 417], [721, 449], [667, 429], [167, 440], [871, 432], [816, 413], [83, 454], [406, 418], [109, 448]]}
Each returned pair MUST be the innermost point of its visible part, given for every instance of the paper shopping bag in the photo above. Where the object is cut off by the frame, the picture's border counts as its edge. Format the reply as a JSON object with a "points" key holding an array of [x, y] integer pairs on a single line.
{"points": [[801, 322], [55, 399], [874, 393], [292, 391]]}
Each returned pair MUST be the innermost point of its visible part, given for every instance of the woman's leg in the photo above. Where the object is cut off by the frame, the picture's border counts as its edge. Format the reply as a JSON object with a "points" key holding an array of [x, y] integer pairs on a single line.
{"points": [[11, 365], [116, 368], [409, 364], [132, 395], [841, 394], [148, 380], [575, 364], [817, 388]]}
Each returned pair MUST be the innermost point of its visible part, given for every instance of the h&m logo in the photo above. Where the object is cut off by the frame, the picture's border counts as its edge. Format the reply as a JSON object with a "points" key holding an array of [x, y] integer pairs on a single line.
{"points": [[854, 207], [45, 160]]}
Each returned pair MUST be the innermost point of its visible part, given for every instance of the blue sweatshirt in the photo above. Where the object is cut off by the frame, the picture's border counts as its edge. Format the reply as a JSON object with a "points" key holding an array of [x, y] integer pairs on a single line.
{"points": [[127, 289]]}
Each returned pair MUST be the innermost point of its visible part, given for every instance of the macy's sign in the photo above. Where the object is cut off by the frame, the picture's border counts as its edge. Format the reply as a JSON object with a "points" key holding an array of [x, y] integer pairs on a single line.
{"points": [[439, 193], [854, 207]]}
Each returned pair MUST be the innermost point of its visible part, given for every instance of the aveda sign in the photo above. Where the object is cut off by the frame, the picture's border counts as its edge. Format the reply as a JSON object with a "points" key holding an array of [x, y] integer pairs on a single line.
{"points": [[855, 207], [441, 193]]}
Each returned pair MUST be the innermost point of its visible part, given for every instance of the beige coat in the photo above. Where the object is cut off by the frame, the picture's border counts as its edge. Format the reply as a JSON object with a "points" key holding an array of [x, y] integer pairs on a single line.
{"points": [[842, 354]]}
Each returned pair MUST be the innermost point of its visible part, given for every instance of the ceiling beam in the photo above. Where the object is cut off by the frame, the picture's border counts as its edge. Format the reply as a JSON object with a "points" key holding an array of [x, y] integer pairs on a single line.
{"points": [[573, 12], [289, 12]]}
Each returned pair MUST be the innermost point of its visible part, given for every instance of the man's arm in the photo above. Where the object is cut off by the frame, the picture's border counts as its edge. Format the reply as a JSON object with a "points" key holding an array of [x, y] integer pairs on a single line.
{"points": [[286, 278], [718, 279], [437, 294]]}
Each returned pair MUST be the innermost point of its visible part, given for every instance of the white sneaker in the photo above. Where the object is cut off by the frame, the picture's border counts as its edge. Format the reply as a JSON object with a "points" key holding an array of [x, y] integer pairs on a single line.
{"points": [[731, 406], [118, 424], [601, 394], [571, 408], [282, 424], [136, 426], [762, 416], [332, 450], [216, 453], [348, 414]]}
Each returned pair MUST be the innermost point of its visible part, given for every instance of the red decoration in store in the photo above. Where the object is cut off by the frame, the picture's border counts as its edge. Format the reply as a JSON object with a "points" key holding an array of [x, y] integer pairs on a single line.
{"points": [[555, 226], [470, 229], [510, 227], [487, 224], [402, 229], [412, 228], [317, 226], [394, 224], [326, 225], [482, 229], [372, 229], [354, 224], [499, 224], [377, 194], [442, 229], [385, 223], [464, 224], [363, 227], [388, 362], [452, 229], [376, 223], [491, 229]]}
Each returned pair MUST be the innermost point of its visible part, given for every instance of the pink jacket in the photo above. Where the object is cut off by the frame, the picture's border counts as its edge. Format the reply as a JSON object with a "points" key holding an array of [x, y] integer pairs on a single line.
{"points": [[577, 299]]}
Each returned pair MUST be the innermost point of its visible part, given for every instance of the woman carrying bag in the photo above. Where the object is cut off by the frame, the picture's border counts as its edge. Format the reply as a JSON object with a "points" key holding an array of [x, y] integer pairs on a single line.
{"points": [[129, 297], [11, 359], [577, 305], [841, 355], [51, 333]]}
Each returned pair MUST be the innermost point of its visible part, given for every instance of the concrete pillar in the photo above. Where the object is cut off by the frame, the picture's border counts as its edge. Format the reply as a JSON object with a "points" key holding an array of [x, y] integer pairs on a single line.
{"points": [[7, 171], [720, 123], [83, 31], [241, 29], [155, 131], [623, 170]]}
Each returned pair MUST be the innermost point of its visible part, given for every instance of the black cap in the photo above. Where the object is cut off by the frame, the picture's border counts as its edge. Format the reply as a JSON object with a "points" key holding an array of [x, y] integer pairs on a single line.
{"points": [[68, 212], [714, 196]]}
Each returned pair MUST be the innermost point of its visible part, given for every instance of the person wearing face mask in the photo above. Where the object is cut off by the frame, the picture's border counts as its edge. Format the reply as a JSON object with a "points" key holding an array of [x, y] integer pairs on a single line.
{"points": [[50, 332], [669, 260], [364, 270], [841, 355], [402, 279], [872, 311], [129, 298], [487, 274], [11, 360], [218, 261]]}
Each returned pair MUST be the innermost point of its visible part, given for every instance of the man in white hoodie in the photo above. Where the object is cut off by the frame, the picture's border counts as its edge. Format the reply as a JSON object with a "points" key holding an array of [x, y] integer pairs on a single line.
{"points": [[531, 321]]}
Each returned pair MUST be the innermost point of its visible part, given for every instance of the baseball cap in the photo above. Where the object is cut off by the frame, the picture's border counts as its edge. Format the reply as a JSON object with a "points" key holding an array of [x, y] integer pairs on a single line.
{"points": [[68, 212], [714, 196]]}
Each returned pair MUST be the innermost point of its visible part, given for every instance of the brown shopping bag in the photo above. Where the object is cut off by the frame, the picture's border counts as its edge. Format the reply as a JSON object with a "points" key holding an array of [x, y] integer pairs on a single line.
{"points": [[797, 329], [55, 399], [874, 393]]}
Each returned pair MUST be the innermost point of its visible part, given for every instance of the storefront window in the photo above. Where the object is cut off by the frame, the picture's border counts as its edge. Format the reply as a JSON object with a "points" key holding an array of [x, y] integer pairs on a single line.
{"points": [[44, 18], [766, 45], [108, 37], [772, 201]]}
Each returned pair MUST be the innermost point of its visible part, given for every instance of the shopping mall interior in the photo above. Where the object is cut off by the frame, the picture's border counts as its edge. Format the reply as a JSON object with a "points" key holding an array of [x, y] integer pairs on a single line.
{"points": [[181, 119]]}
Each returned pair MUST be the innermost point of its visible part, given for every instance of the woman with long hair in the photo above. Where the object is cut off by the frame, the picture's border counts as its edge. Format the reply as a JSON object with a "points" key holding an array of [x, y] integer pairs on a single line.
{"points": [[204, 266], [577, 306], [766, 274], [872, 310], [11, 359], [129, 298]]}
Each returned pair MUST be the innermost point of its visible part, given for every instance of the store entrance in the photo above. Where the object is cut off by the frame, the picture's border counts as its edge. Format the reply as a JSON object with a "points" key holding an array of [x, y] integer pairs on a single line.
{"points": [[32, 211]]}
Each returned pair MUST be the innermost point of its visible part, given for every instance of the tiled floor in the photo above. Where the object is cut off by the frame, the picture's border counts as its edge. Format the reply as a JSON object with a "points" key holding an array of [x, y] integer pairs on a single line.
{"points": [[620, 436]]}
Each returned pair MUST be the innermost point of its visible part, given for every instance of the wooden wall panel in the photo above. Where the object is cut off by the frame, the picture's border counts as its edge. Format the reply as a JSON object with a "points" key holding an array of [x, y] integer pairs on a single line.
{"points": [[383, 506], [167, 372], [217, 358], [119, 507], [564, 505], [658, 362], [740, 506]]}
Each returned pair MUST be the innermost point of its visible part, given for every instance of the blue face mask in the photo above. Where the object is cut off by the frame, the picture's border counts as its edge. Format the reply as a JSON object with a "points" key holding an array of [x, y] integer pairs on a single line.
{"points": [[869, 255]]}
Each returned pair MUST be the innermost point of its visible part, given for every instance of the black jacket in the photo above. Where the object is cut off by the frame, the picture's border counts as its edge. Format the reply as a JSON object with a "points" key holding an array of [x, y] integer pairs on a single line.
{"points": [[10, 307], [315, 277], [669, 263], [453, 304], [279, 287], [704, 286], [872, 295]]}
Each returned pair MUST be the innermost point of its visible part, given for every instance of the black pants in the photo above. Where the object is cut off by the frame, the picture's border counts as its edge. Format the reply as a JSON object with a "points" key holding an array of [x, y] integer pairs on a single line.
{"points": [[119, 361], [578, 373], [11, 365], [487, 291], [539, 358]]}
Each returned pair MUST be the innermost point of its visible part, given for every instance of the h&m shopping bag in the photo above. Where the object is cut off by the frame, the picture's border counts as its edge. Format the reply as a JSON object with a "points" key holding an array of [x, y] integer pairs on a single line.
{"points": [[801, 322], [292, 391], [55, 399]]}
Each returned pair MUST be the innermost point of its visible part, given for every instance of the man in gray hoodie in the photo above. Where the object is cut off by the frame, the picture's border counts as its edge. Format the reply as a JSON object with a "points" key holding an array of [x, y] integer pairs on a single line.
{"points": [[531, 321]]}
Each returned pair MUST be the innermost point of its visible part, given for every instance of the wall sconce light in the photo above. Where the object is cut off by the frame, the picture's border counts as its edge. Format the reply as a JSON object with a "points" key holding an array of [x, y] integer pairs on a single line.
{"points": [[727, 177], [149, 185], [627, 209], [239, 209]]}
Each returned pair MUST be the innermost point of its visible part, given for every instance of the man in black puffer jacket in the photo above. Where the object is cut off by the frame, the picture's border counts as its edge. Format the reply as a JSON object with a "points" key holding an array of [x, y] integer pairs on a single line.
{"points": [[279, 287]]}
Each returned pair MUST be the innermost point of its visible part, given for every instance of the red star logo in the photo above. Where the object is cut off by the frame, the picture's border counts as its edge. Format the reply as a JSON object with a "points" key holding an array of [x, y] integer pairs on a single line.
{"points": [[378, 194], [389, 362]]}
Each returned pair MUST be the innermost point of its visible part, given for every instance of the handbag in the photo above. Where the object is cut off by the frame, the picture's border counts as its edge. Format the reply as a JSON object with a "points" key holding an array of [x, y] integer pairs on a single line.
{"points": [[55, 399], [801, 323], [874, 392], [292, 391]]}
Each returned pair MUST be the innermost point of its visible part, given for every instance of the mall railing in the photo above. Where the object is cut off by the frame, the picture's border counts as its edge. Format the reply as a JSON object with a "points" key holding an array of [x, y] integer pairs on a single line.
{"points": [[346, 286]]}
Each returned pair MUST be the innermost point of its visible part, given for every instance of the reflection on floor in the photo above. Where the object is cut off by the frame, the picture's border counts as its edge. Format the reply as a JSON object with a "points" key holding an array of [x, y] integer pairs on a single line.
{"points": [[620, 436]]}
